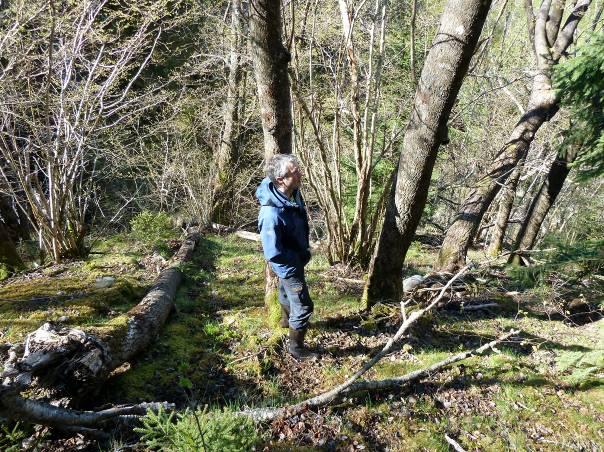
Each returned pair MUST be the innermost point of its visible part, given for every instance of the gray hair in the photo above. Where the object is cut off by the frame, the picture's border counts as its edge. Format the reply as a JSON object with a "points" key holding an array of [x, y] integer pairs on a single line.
{"points": [[278, 166]]}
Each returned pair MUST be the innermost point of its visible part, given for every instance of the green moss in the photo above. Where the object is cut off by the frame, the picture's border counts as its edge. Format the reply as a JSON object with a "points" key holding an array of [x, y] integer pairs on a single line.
{"points": [[26, 305], [4, 273]]}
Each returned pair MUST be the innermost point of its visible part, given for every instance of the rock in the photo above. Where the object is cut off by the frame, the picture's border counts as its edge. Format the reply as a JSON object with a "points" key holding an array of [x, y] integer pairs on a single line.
{"points": [[104, 282], [412, 282]]}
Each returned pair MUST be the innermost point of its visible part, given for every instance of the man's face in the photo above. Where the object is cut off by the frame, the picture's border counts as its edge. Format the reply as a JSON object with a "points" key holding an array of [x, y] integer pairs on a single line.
{"points": [[292, 179]]}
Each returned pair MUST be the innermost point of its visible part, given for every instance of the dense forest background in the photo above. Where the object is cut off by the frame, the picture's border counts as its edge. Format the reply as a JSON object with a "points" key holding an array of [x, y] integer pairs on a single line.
{"points": [[154, 107], [473, 129]]}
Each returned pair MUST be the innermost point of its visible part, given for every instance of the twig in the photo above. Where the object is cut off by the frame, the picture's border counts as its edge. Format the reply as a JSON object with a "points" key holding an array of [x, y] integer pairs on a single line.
{"points": [[454, 444], [243, 358]]}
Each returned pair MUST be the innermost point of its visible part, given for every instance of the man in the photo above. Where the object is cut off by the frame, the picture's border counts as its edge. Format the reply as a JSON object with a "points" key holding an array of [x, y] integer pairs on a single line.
{"points": [[284, 232]]}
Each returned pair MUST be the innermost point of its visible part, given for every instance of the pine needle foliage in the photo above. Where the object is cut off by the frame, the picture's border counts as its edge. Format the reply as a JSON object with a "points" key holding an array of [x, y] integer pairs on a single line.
{"points": [[580, 85], [198, 430]]}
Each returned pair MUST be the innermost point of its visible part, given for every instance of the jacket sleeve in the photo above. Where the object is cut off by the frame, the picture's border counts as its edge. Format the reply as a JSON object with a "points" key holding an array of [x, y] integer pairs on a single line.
{"points": [[285, 261]]}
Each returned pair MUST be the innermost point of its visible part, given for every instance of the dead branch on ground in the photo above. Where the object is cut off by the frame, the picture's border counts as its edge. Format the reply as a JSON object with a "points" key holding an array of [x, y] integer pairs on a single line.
{"points": [[269, 414]]}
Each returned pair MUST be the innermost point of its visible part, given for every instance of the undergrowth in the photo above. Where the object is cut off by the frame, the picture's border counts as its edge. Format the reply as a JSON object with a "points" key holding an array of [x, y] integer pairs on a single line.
{"points": [[198, 430]]}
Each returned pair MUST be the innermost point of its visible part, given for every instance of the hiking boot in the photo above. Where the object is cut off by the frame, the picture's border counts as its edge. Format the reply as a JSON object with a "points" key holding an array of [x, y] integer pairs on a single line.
{"points": [[284, 322], [296, 345]]}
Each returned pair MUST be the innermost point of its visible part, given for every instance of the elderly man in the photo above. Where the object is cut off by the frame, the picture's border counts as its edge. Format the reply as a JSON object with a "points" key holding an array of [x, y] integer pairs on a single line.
{"points": [[284, 231]]}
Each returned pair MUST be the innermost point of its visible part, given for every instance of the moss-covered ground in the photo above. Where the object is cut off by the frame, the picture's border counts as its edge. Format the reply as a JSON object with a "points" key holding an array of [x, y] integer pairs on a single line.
{"points": [[542, 391], [88, 294]]}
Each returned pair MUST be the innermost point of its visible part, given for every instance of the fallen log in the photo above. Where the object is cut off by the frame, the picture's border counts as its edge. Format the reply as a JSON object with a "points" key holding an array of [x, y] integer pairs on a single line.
{"points": [[68, 362]]}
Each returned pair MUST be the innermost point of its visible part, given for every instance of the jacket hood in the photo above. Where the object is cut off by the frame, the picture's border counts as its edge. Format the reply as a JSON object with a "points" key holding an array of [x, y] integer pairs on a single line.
{"points": [[269, 195]]}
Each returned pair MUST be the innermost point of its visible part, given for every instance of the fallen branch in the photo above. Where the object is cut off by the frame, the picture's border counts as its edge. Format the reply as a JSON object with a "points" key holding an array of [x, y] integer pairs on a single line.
{"points": [[34, 411], [269, 414], [476, 307], [341, 278], [332, 394], [247, 235], [454, 444]]}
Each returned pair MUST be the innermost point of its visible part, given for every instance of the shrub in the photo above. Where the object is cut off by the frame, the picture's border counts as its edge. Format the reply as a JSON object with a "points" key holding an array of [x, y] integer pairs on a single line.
{"points": [[198, 430], [575, 261], [153, 229], [11, 437]]}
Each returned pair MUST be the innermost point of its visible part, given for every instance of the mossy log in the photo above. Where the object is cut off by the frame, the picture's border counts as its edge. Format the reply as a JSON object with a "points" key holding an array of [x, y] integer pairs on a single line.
{"points": [[68, 362]]}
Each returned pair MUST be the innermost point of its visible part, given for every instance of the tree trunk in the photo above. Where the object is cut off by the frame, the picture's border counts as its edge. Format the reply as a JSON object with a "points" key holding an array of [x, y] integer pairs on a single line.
{"points": [[227, 151], [503, 212], [71, 362], [270, 67], [9, 258], [541, 204], [452, 48], [543, 104], [12, 228]]}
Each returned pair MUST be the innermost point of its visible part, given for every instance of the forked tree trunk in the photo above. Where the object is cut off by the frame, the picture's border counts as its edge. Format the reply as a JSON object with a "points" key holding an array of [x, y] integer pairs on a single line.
{"points": [[503, 212], [543, 104], [270, 59], [452, 48], [227, 151], [549, 191]]}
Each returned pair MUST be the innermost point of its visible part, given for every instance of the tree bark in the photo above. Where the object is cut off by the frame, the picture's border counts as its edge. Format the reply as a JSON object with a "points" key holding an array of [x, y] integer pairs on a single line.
{"points": [[271, 59], [75, 363], [270, 67], [503, 212], [440, 80], [9, 258], [548, 192], [542, 106], [227, 151]]}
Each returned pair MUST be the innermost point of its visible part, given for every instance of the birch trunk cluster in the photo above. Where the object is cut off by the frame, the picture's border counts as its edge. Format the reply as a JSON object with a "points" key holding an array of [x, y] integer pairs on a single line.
{"points": [[552, 38]]}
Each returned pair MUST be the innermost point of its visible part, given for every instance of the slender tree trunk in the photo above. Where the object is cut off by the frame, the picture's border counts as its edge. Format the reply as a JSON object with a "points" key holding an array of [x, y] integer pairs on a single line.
{"points": [[271, 59], [412, 59], [549, 191], [503, 212], [543, 104], [452, 48], [227, 151]]}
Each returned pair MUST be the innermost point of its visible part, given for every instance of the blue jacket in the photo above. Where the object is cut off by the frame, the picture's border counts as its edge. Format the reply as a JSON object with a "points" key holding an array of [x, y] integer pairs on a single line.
{"points": [[283, 226]]}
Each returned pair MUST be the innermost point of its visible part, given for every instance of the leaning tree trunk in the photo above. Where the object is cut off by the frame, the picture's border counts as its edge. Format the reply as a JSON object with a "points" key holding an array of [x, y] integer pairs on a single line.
{"points": [[452, 48], [228, 151], [550, 43], [270, 59], [503, 212], [549, 191], [73, 363]]}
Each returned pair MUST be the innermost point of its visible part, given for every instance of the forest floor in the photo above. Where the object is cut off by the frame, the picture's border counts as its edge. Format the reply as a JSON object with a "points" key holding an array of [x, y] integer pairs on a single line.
{"points": [[543, 391]]}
